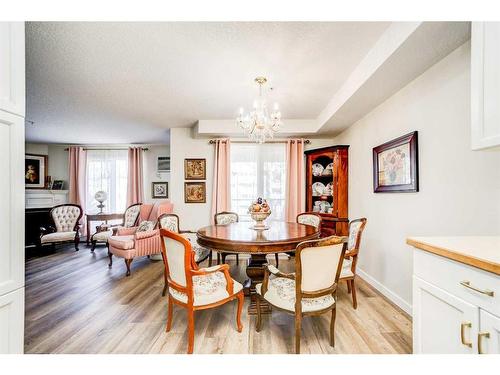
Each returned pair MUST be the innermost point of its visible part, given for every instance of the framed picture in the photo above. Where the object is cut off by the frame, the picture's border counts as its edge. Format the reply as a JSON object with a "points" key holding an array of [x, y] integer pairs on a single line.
{"points": [[395, 165], [159, 189], [35, 171], [195, 169], [163, 164], [57, 185], [195, 192]]}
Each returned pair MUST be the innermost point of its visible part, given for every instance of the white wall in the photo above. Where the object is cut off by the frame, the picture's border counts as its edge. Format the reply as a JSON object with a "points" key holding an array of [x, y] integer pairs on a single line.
{"points": [[182, 145], [459, 188], [150, 174], [57, 159]]}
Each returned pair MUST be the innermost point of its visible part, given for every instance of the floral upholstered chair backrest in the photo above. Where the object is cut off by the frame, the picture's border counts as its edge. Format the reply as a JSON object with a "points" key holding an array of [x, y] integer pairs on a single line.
{"points": [[309, 219], [356, 228], [170, 222], [175, 252], [224, 218], [131, 215], [65, 217]]}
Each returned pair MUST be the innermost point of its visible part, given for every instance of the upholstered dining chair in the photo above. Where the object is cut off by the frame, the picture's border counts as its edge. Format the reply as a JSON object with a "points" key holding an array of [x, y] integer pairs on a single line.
{"points": [[104, 231], [225, 218], [171, 222], [66, 219], [195, 288], [348, 274], [306, 218], [312, 289]]}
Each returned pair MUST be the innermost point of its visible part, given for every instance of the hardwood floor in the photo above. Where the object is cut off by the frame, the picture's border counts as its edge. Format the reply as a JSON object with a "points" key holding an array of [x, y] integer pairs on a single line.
{"points": [[75, 304]]}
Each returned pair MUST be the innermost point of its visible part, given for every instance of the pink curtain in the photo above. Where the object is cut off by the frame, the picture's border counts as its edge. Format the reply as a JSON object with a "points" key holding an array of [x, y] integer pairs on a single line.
{"points": [[295, 179], [77, 179], [135, 184], [221, 193]]}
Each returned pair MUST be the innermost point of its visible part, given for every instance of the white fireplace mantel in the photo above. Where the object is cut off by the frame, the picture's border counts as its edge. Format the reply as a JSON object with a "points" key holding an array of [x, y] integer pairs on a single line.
{"points": [[44, 198]]}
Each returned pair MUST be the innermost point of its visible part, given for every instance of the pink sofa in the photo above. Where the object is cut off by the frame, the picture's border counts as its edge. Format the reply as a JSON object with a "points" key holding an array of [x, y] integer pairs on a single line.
{"points": [[128, 243]]}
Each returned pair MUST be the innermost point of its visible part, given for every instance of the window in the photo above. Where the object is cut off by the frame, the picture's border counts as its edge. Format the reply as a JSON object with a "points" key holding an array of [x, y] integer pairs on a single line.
{"points": [[107, 171], [258, 171]]}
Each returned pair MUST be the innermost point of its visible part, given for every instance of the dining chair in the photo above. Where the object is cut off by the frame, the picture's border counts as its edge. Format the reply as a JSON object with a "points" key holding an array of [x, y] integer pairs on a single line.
{"points": [[348, 274], [195, 288], [172, 223], [225, 218], [311, 290], [104, 231], [307, 218], [66, 228]]}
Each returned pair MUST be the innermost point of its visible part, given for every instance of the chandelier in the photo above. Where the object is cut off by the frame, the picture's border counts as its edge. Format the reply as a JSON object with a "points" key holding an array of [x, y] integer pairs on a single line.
{"points": [[259, 124]]}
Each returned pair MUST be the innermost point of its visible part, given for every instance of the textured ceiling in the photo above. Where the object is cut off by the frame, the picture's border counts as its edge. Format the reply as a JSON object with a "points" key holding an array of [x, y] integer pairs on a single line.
{"points": [[131, 82]]}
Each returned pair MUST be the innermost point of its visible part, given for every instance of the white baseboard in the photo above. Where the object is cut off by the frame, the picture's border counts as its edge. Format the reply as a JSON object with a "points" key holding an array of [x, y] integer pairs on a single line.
{"points": [[393, 297]]}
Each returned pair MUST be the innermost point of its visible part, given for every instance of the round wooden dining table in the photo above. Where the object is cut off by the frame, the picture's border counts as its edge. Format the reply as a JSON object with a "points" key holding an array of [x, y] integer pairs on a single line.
{"points": [[241, 238]]}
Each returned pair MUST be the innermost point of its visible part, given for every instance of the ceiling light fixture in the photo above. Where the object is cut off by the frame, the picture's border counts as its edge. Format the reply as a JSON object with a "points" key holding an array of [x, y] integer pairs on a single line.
{"points": [[258, 124]]}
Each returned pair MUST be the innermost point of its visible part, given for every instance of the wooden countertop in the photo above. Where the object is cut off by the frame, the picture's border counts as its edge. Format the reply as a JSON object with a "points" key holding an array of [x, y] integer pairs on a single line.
{"points": [[481, 252]]}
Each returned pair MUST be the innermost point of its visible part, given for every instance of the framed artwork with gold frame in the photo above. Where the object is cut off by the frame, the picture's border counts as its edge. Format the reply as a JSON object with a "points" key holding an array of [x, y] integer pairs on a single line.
{"points": [[195, 169], [195, 192]]}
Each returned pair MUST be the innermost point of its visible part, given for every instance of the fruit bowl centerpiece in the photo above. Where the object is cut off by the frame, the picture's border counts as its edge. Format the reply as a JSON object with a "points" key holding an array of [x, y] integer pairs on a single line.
{"points": [[259, 211]]}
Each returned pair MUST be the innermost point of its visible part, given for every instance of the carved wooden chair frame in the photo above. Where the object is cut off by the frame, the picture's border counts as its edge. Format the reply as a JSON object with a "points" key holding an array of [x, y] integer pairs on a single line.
{"points": [[52, 229], [353, 254], [180, 232], [299, 294], [192, 269]]}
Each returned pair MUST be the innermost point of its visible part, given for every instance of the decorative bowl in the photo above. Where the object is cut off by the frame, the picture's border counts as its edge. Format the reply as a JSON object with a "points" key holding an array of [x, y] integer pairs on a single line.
{"points": [[259, 218]]}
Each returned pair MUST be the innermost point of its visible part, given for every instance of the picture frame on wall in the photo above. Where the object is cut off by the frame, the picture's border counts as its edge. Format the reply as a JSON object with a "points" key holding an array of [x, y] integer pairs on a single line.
{"points": [[35, 171], [159, 190], [395, 165], [195, 192], [195, 169], [57, 185]]}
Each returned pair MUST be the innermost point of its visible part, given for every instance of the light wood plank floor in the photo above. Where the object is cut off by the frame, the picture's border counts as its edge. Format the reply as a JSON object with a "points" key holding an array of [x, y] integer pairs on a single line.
{"points": [[75, 304]]}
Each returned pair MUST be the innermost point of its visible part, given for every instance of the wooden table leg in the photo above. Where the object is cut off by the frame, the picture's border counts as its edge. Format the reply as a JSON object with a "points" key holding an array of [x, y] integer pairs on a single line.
{"points": [[88, 231], [255, 271]]}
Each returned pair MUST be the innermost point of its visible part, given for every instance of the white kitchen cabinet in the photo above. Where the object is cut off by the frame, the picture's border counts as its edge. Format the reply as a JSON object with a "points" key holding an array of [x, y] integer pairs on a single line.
{"points": [[442, 323], [12, 187], [456, 304], [489, 334], [485, 85], [12, 68]]}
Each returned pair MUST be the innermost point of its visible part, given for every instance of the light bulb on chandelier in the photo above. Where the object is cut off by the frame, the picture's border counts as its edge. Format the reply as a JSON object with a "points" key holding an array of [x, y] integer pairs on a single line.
{"points": [[259, 124]]}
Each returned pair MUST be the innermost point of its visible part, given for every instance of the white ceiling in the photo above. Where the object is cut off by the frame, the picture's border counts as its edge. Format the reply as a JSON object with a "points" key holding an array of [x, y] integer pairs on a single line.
{"points": [[131, 82]]}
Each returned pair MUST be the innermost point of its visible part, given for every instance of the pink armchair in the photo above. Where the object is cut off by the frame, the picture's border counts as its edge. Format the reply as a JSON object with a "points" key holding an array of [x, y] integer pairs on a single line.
{"points": [[128, 243]]}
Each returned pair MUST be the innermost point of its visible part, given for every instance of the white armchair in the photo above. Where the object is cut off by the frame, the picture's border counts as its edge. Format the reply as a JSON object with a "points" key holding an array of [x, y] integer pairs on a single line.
{"points": [[312, 289], [195, 288], [66, 219]]}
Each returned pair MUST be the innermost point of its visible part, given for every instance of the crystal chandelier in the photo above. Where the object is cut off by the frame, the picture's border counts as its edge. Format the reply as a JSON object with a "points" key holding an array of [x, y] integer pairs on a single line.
{"points": [[259, 125]]}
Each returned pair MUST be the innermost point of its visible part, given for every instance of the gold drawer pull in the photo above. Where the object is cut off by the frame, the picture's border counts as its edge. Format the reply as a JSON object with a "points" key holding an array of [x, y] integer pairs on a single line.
{"points": [[485, 291], [462, 333], [479, 341]]}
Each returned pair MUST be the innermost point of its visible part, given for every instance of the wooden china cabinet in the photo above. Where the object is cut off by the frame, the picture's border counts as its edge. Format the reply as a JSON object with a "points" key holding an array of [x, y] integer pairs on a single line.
{"points": [[326, 188]]}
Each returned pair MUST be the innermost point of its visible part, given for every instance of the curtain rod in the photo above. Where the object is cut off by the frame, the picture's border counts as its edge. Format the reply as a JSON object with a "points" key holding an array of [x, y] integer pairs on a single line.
{"points": [[108, 149], [306, 141]]}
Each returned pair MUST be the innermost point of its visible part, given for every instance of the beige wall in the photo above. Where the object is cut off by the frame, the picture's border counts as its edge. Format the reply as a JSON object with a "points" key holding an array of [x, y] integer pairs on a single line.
{"points": [[150, 174], [459, 188], [182, 145]]}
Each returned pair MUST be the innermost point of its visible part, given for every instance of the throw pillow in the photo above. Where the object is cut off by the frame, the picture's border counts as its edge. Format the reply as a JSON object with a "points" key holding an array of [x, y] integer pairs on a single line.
{"points": [[145, 226]]}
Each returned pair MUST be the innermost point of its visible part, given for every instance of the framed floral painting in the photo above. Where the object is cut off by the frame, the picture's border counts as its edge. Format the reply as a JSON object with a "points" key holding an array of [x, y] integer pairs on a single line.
{"points": [[395, 165], [195, 169], [35, 171], [195, 192]]}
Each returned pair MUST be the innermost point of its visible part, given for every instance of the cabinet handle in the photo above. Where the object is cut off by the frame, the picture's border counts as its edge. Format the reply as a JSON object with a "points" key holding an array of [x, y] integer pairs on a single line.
{"points": [[482, 291], [480, 335], [462, 333]]}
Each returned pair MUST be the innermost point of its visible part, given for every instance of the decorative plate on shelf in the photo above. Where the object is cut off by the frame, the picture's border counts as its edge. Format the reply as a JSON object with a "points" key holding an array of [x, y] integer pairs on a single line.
{"points": [[328, 189], [317, 169], [328, 171], [318, 189]]}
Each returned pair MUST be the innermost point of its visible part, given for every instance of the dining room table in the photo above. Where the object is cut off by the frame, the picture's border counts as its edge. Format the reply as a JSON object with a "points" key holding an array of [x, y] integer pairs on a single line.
{"points": [[242, 238]]}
